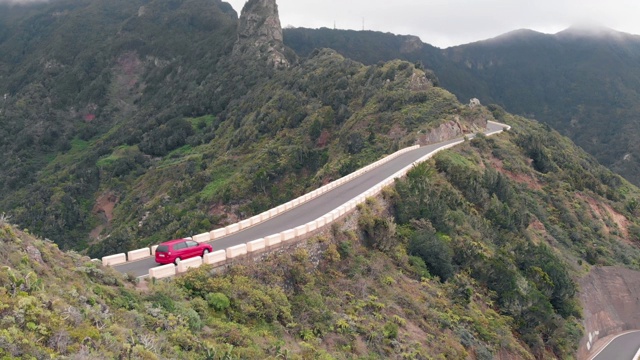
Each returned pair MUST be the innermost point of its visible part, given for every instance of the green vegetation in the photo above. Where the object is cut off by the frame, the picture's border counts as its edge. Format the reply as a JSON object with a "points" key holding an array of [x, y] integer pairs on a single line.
{"points": [[54, 304], [186, 136], [585, 86], [155, 130], [473, 254]]}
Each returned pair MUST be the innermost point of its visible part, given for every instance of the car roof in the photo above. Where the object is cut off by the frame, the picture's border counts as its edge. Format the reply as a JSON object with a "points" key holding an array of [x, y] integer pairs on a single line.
{"points": [[175, 241]]}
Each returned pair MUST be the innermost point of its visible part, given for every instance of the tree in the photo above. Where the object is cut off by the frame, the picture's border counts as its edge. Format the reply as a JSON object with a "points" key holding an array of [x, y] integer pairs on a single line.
{"points": [[435, 251]]}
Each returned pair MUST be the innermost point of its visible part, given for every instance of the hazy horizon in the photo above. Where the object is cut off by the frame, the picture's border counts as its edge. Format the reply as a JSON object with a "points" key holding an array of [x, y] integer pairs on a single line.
{"points": [[446, 23]]}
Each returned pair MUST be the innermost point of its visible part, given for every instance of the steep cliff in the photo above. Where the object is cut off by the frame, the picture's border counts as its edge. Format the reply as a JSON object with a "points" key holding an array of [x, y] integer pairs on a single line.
{"points": [[260, 33]]}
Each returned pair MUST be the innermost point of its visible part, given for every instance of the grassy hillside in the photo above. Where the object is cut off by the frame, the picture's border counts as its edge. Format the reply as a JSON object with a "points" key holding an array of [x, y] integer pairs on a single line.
{"points": [[185, 138], [56, 304], [68, 101], [582, 82], [473, 255]]}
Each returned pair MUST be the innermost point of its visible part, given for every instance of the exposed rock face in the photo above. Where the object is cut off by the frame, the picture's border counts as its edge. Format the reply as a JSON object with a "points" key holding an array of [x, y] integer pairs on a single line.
{"points": [[260, 33], [419, 82], [34, 254], [610, 297], [453, 129], [474, 103], [411, 44]]}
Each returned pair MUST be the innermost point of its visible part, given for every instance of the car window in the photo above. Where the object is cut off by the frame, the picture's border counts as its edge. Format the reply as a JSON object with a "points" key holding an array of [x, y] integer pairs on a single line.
{"points": [[162, 248], [180, 246], [191, 243]]}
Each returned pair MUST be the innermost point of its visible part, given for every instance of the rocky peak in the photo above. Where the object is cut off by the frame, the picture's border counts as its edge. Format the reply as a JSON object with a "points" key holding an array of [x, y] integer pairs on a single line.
{"points": [[411, 44], [260, 33]]}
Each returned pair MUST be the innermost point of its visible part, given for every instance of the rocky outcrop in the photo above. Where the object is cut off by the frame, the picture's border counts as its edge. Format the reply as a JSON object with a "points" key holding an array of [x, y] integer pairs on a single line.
{"points": [[260, 33], [419, 82], [411, 45], [610, 297], [453, 129]]}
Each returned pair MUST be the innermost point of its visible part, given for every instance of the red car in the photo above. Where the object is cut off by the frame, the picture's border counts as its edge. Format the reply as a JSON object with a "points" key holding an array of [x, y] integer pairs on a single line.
{"points": [[180, 249]]}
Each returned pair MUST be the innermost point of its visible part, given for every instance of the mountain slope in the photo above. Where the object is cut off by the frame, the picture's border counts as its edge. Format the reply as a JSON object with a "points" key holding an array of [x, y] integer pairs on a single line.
{"points": [[175, 137], [70, 101], [475, 254], [513, 220], [583, 82]]}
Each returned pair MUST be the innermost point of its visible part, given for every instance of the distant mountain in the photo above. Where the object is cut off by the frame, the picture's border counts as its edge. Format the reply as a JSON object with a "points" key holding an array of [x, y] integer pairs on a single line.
{"points": [[585, 82]]}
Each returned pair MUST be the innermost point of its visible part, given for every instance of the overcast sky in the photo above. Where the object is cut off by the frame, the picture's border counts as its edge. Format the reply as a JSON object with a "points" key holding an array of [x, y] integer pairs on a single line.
{"points": [[445, 23]]}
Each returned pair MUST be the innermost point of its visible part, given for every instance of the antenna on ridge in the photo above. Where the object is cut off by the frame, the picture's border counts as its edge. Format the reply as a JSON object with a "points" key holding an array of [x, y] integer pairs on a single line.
{"points": [[334, 24], [362, 23]]}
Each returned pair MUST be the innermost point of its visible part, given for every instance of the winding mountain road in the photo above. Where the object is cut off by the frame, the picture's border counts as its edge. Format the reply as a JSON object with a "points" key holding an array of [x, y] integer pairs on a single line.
{"points": [[623, 347], [312, 209]]}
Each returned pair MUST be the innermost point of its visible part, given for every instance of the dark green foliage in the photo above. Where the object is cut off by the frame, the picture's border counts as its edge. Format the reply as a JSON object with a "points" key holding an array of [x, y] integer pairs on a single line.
{"points": [[419, 266], [533, 148], [478, 215], [166, 137], [435, 251], [379, 233], [155, 104], [582, 84], [551, 278], [218, 301]]}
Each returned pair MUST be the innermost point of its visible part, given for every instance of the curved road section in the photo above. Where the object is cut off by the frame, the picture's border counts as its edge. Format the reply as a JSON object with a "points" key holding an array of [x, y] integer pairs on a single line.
{"points": [[623, 347], [312, 209]]}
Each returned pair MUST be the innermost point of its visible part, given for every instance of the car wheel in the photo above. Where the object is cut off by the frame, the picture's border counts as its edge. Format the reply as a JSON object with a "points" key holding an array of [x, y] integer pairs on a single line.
{"points": [[205, 252], [177, 261]]}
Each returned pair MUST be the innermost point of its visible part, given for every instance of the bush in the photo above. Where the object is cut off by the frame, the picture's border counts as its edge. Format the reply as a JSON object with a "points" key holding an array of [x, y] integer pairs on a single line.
{"points": [[391, 330], [218, 301], [435, 252], [379, 233]]}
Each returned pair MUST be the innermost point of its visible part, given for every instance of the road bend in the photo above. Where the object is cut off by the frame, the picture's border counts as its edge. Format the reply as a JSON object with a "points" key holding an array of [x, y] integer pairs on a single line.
{"points": [[623, 347], [310, 210]]}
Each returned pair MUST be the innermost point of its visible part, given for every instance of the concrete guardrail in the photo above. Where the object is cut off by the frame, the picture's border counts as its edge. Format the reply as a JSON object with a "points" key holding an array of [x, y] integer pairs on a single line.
{"points": [[162, 272], [187, 264], [138, 254], [216, 234], [232, 229], [256, 245], [288, 235], [235, 251], [285, 236], [273, 240], [114, 259], [215, 257], [202, 237]]}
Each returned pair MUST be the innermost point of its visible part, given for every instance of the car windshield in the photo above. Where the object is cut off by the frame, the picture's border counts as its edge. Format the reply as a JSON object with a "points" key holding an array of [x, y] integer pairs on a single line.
{"points": [[162, 248]]}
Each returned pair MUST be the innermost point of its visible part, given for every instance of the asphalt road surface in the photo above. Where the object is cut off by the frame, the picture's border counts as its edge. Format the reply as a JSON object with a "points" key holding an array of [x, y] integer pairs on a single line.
{"points": [[310, 210], [624, 347]]}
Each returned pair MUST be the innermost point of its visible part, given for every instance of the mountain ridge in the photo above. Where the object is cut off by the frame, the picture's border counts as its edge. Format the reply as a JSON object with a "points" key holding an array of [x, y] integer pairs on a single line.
{"points": [[579, 86]]}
